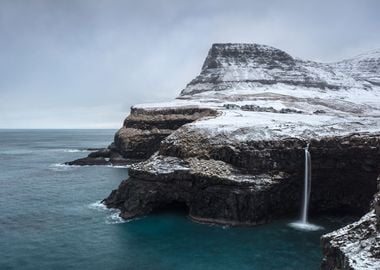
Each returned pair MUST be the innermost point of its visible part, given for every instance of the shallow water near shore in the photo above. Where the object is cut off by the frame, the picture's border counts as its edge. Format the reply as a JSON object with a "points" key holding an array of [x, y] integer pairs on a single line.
{"points": [[51, 218]]}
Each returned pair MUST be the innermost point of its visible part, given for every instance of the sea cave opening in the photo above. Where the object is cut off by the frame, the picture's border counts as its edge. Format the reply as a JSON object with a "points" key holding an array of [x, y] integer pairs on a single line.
{"points": [[173, 207]]}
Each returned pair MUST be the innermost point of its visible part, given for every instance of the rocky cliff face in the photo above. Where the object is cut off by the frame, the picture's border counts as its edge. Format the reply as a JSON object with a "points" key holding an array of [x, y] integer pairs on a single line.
{"points": [[142, 132], [251, 183], [376, 206], [145, 128], [356, 246], [230, 147]]}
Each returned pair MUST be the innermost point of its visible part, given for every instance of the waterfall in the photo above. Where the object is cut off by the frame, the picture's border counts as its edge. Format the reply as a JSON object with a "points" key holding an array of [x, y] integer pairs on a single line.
{"points": [[307, 185], [303, 224]]}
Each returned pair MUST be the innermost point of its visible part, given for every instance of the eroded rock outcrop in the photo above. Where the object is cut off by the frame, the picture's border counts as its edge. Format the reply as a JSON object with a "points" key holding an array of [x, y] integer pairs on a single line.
{"points": [[145, 128], [104, 156], [356, 246], [142, 132]]}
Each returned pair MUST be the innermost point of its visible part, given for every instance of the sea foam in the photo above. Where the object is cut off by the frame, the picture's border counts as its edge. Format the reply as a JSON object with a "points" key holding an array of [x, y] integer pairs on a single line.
{"points": [[113, 216], [60, 167], [302, 226]]}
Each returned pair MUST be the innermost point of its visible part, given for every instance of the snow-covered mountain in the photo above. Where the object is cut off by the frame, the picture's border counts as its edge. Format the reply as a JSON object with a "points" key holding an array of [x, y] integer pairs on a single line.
{"points": [[260, 87], [246, 65]]}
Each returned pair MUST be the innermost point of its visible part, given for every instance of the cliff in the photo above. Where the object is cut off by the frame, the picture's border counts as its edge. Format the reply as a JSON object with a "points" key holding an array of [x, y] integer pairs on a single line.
{"points": [[356, 246], [230, 147]]}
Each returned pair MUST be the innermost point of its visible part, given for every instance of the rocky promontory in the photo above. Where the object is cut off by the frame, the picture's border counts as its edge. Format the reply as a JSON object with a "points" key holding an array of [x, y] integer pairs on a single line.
{"points": [[142, 132], [230, 148]]}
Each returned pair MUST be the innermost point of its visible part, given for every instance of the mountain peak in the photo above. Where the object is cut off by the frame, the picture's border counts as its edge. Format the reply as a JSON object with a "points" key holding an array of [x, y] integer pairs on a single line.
{"points": [[230, 54], [232, 66]]}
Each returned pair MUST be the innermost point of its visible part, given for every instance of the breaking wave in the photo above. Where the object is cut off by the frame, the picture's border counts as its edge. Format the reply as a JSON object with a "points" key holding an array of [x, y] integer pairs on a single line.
{"points": [[113, 216], [70, 150], [59, 167]]}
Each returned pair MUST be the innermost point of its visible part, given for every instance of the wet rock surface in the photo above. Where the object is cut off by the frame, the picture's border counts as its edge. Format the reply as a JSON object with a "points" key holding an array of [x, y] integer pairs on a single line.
{"points": [[104, 156]]}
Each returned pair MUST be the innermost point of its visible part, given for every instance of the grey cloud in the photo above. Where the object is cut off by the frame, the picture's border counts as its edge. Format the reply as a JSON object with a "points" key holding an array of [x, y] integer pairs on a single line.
{"points": [[84, 63]]}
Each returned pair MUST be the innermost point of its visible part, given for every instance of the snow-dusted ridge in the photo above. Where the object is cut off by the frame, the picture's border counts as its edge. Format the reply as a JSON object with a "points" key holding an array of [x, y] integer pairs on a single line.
{"points": [[229, 64], [281, 95], [357, 243], [364, 66]]}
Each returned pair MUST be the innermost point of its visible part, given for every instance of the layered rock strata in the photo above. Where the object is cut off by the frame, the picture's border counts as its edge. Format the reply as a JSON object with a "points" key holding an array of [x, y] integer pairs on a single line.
{"points": [[251, 183], [142, 132], [213, 191], [145, 128]]}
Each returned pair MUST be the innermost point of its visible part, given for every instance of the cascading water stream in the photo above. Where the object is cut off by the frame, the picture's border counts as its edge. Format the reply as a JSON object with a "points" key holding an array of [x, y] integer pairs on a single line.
{"points": [[307, 185], [303, 224]]}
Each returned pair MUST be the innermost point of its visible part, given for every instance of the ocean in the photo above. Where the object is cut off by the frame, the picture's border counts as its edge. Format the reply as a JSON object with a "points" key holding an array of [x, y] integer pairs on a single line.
{"points": [[51, 218]]}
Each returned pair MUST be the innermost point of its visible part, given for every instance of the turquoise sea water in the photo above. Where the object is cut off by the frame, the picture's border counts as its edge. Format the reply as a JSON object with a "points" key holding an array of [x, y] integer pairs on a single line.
{"points": [[50, 218]]}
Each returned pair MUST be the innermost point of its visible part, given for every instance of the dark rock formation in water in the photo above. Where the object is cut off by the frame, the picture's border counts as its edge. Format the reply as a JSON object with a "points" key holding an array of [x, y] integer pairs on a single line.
{"points": [[230, 147], [104, 156], [214, 191]]}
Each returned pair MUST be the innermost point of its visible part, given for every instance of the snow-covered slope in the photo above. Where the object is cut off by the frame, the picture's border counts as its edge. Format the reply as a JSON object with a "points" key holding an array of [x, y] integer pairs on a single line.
{"points": [[261, 87], [365, 66]]}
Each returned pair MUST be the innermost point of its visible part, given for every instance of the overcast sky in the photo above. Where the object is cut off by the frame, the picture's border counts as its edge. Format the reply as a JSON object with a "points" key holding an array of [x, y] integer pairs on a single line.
{"points": [[83, 63]]}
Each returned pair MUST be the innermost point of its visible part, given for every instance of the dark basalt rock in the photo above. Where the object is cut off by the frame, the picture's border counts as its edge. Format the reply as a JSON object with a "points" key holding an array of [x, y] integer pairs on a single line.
{"points": [[144, 130], [356, 246], [376, 206], [235, 184], [240, 54], [255, 108], [104, 156], [212, 190], [141, 134]]}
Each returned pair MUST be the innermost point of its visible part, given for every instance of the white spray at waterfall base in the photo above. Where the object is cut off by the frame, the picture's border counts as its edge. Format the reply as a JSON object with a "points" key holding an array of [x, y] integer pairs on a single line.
{"points": [[303, 224]]}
